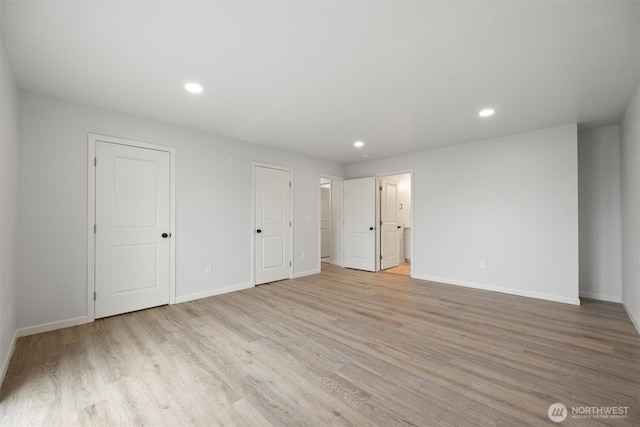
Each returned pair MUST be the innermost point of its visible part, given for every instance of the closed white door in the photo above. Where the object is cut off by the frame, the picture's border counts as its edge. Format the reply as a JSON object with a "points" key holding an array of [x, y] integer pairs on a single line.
{"points": [[325, 223], [133, 195], [359, 224], [272, 224], [390, 233]]}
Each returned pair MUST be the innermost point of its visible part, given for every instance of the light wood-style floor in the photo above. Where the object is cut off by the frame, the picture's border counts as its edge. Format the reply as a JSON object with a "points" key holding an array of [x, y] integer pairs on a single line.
{"points": [[340, 348], [404, 268]]}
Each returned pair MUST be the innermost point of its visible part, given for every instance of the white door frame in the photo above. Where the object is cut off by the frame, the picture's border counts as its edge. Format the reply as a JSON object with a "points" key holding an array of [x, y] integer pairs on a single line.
{"points": [[378, 201], [91, 214], [335, 222], [253, 216]]}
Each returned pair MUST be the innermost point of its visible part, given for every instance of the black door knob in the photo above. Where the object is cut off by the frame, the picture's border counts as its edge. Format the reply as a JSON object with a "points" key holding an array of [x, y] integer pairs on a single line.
{"points": [[258, 231], [370, 228], [399, 227], [165, 235]]}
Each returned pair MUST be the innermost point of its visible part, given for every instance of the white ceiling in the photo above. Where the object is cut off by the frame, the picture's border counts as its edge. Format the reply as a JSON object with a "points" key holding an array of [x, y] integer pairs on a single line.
{"points": [[312, 77]]}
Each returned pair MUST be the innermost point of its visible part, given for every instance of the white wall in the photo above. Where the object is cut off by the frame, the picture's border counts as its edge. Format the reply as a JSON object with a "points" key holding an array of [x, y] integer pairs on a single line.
{"points": [[213, 205], [630, 155], [8, 208], [510, 201], [599, 207], [404, 197]]}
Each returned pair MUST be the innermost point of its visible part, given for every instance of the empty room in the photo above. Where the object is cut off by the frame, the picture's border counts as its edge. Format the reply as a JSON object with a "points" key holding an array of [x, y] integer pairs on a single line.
{"points": [[275, 213]]}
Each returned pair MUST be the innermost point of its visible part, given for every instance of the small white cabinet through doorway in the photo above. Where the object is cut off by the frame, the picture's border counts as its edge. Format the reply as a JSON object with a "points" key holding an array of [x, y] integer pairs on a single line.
{"points": [[407, 244]]}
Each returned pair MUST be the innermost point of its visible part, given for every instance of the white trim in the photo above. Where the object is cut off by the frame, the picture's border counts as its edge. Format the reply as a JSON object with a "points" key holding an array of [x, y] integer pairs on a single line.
{"points": [[305, 273], [253, 216], [601, 297], [320, 222], [52, 326], [329, 176], [91, 214], [510, 291], [7, 358], [636, 322], [213, 292], [91, 219], [377, 227]]}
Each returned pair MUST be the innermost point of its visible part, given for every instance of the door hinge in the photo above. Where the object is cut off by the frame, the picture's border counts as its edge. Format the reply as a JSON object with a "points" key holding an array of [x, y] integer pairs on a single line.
{"points": [[95, 229], [380, 222], [289, 263], [94, 296], [95, 161], [380, 257], [289, 184], [380, 188], [289, 223]]}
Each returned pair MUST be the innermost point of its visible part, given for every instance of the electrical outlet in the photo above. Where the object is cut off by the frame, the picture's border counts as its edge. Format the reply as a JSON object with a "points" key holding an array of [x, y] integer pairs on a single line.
{"points": [[207, 269], [303, 256], [483, 265], [229, 161]]}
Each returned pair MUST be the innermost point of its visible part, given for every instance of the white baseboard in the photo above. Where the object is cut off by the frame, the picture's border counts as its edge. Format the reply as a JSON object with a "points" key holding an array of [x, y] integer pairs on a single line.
{"points": [[7, 357], [213, 292], [601, 297], [52, 326], [305, 273], [636, 322], [510, 291]]}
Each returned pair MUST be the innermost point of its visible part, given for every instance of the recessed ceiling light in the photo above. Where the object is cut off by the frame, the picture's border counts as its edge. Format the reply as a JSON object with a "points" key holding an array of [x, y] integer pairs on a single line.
{"points": [[193, 87], [487, 112], [358, 144]]}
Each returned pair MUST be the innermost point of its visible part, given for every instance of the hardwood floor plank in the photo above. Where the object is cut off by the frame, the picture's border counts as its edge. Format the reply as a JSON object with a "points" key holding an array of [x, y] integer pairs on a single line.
{"points": [[343, 347]]}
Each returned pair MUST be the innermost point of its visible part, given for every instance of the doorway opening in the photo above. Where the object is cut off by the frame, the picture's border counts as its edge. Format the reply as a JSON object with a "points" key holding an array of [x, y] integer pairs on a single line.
{"points": [[325, 220], [330, 231], [394, 239]]}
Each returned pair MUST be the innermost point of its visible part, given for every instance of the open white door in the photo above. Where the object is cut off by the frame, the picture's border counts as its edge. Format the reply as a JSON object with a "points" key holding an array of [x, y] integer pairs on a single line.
{"points": [[359, 223], [390, 233], [132, 248], [273, 224]]}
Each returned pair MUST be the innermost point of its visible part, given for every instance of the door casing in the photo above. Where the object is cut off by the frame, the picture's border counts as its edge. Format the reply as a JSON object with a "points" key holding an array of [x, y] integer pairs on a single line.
{"points": [[91, 214]]}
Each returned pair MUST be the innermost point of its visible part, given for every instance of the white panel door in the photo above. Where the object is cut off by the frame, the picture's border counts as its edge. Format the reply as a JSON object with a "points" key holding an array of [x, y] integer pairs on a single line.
{"points": [[325, 224], [390, 233], [273, 226], [359, 224], [133, 194]]}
